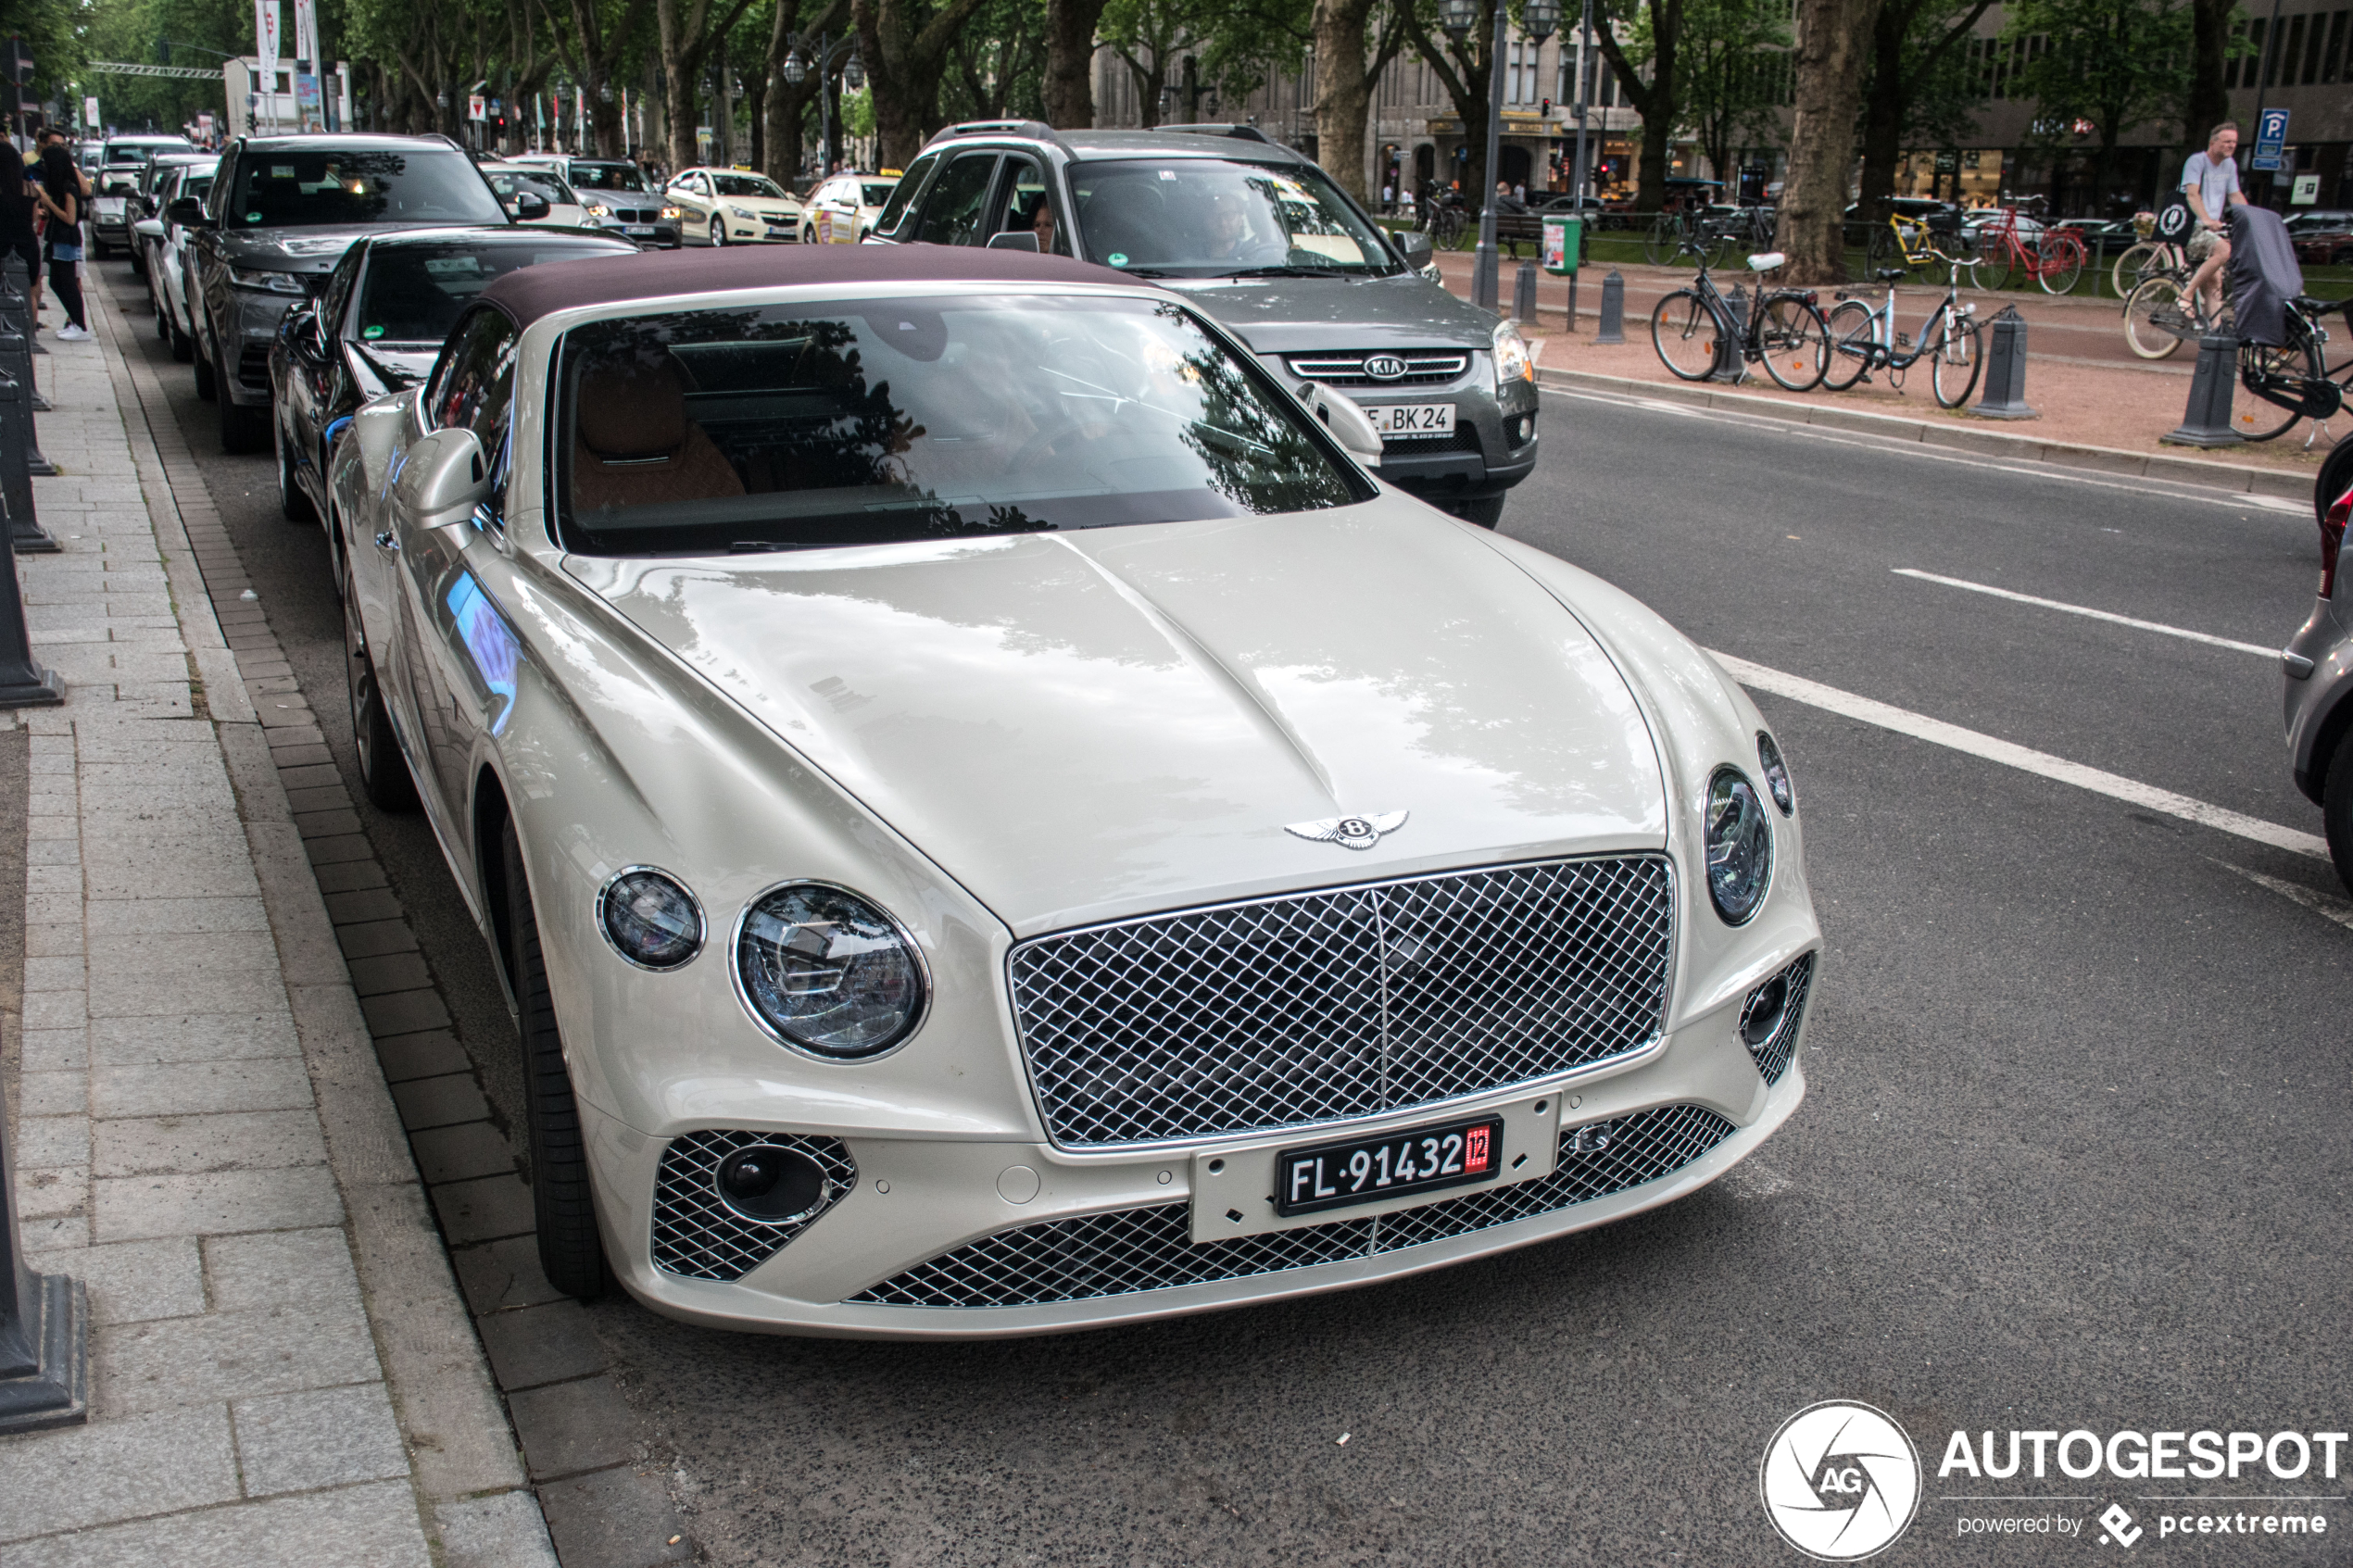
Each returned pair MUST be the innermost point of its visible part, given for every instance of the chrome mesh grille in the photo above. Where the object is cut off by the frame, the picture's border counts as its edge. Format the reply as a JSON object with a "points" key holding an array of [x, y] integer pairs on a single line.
{"points": [[1340, 1004], [1138, 1249], [699, 1235], [1423, 367], [1773, 1056]]}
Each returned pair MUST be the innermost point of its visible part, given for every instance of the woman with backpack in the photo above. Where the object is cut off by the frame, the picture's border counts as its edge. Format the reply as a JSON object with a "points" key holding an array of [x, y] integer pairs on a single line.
{"points": [[60, 198]]}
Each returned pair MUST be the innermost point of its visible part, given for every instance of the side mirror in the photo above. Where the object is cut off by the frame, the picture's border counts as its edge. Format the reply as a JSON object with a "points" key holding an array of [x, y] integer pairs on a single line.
{"points": [[1414, 245], [1014, 239], [1349, 423], [443, 477], [188, 212], [530, 206]]}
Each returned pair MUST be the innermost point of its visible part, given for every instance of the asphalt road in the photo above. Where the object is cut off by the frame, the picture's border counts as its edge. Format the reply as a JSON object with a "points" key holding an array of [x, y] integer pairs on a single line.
{"points": [[2073, 1155]]}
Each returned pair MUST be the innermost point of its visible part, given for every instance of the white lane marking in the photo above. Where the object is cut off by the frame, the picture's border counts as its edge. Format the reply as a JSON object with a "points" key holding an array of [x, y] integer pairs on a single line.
{"points": [[2186, 492], [2328, 904], [2087, 611], [1938, 733]]}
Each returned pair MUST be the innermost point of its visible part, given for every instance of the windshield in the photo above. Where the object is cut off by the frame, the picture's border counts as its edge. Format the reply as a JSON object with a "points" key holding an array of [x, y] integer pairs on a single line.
{"points": [[1209, 217], [512, 182], [607, 177], [141, 152], [872, 421], [414, 293], [875, 193], [746, 186], [305, 188]]}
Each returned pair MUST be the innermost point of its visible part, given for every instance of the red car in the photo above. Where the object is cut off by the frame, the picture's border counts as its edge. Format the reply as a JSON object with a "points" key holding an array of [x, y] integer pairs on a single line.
{"points": [[2331, 247]]}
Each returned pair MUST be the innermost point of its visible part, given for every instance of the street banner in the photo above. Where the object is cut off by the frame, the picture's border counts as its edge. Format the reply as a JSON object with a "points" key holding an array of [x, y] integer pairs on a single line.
{"points": [[307, 33], [2271, 136], [265, 42], [90, 114]]}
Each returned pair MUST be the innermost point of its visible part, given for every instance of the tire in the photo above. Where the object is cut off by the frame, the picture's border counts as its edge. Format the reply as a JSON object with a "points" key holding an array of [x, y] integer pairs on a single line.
{"points": [[207, 388], [718, 230], [2337, 478], [1851, 345], [1996, 263], [2151, 301], [184, 347], [242, 430], [2062, 258], [2252, 418], [571, 1251], [1484, 511], [383, 773], [1953, 360], [1665, 235], [2336, 809], [1793, 339], [292, 504], [2126, 275], [1684, 331]]}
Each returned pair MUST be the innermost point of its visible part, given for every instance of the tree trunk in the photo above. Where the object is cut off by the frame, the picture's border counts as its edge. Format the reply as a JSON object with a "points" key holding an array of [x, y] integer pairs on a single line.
{"points": [[1831, 38], [1343, 92], [675, 35], [1654, 100], [2209, 37], [1884, 111], [787, 102], [1070, 63], [903, 67]]}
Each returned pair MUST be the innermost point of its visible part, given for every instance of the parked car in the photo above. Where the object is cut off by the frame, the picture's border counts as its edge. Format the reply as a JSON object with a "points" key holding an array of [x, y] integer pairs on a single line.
{"points": [[616, 196], [512, 181], [277, 220], [110, 216], [377, 326], [2318, 666], [2325, 247], [167, 277], [733, 205], [842, 210], [1322, 292], [955, 880], [2312, 220], [145, 208]]}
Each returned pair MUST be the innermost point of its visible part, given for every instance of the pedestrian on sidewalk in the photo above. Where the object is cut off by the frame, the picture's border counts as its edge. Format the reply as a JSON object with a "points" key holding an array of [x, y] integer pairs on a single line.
{"points": [[2210, 184], [18, 241], [60, 197]]}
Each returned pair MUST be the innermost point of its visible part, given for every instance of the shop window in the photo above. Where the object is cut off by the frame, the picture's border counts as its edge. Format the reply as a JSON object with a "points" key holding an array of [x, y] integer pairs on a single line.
{"points": [[2333, 62]]}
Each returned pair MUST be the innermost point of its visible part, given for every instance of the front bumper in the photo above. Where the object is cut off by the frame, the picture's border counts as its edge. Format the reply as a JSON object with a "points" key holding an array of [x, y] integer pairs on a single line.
{"points": [[909, 1204], [252, 328], [1494, 442]]}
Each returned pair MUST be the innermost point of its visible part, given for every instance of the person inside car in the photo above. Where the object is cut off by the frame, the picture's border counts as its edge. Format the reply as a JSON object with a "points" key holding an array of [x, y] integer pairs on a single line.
{"points": [[1232, 239]]}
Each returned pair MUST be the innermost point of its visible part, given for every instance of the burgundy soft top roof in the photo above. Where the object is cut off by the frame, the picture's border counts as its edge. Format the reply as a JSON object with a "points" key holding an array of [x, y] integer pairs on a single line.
{"points": [[530, 293]]}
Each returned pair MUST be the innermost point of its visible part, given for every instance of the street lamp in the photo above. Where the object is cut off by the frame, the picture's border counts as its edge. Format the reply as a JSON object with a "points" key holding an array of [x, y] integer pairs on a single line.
{"points": [[823, 56]]}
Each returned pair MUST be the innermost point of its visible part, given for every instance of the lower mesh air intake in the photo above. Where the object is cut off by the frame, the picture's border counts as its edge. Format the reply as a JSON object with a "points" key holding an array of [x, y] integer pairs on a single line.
{"points": [[698, 1233]]}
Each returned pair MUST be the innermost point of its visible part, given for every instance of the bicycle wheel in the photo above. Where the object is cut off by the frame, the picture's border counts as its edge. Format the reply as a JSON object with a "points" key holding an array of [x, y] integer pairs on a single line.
{"points": [[2058, 262], [2153, 304], [1665, 235], [2252, 417], [2132, 266], [1853, 342], [1793, 340], [1951, 347], [1996, 261], [1878, 254], [1684, 331]]}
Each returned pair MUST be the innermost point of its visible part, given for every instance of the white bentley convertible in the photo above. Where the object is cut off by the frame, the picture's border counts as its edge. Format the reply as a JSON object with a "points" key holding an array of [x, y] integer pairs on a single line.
{"points": [[995, 821]]}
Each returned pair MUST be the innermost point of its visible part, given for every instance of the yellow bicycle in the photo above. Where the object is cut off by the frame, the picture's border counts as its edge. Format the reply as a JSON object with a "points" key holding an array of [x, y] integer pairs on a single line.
{"points": [[1924, 245]]}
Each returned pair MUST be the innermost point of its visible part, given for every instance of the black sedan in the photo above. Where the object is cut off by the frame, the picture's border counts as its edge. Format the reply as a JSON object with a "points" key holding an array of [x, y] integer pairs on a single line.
{"points": [[377, 326]]}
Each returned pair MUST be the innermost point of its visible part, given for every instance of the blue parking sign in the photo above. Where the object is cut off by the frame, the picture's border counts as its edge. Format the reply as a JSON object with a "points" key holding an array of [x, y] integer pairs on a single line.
{"points": [[2271, 136]]}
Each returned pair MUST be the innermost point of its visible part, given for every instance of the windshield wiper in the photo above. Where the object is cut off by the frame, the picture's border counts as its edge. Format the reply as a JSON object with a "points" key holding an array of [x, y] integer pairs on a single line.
{"points": [[1286, 270]]}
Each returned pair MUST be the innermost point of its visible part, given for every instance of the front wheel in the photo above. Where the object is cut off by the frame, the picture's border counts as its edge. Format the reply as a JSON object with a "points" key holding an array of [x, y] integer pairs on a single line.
{"points": [[1852, 343], [2060, 262], [383, 774], [2336, 811], [292, 504], [718, 230], [1996, 262], [242, 430], [1951, 350], [1684, 333], [2255, 419], [2126, 275], [1793, 339], [206, 387], [571, 1251], [2153, 319]]}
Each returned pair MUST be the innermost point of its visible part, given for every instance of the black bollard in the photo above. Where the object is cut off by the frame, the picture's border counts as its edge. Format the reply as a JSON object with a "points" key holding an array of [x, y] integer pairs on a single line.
{"points": [[2207, 422], [16, 363], [2005, 370], [15, 477], [1732, 363], [44, 1319], [1613, 328], [23, 683], [1524, 294]]}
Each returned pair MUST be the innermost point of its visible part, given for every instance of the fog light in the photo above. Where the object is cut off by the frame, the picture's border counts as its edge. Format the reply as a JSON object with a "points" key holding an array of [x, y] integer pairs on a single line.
{"points": [[771, 1185], [1767, 1005], [649, 918]]}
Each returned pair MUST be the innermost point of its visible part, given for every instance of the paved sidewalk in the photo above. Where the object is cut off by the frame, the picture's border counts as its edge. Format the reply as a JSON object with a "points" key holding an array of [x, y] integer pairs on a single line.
{"points": [[283, 1371]]}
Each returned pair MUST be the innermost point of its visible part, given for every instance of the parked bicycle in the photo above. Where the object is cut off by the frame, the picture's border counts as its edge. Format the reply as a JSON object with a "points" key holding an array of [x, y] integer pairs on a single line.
{"points": [[1864, 340], [2158, 319], [1915, 243], [2054, 261], [2152, 256], [1443, 217], [1784, 327]]}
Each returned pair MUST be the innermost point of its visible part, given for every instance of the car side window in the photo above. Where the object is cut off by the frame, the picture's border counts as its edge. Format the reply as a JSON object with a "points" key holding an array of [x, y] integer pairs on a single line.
{"points": [[893, 216], [952, 213], [1025, 204], [337, 294], [476, 380]]}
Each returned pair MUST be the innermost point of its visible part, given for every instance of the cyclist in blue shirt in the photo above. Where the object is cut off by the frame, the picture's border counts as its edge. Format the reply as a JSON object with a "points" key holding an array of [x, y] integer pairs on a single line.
{"points": [[2210, 184]]}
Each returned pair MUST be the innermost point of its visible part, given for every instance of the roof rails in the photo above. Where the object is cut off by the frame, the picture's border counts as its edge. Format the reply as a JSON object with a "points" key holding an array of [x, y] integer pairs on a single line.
{"points": [[1238, 133], [1038, 129]]}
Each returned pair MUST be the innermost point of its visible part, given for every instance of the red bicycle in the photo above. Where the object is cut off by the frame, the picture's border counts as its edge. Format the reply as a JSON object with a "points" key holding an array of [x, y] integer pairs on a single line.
{"points": [[2055, 259]]}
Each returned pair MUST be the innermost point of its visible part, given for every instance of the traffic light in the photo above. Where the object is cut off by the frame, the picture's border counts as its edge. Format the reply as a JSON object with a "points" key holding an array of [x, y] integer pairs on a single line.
{"points": [[1548, 108]]}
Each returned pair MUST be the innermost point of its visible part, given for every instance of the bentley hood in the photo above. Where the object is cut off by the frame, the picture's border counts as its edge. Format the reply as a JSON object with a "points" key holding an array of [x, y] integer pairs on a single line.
{"points": [[1084, 725]]}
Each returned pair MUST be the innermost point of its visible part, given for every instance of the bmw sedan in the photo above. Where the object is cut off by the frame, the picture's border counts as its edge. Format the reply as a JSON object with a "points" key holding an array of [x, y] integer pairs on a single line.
{"points": [[994, 819]]}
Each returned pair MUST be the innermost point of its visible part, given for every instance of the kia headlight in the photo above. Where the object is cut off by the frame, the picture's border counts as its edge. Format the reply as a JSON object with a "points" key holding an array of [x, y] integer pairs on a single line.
{"points": [[1512, 362], [825, 972], [266, 282], [1739, 845]]}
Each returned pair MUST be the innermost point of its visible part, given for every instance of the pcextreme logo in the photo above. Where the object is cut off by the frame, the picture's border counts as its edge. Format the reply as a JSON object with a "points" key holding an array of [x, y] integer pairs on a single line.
{"points": [[1841, 1481]]}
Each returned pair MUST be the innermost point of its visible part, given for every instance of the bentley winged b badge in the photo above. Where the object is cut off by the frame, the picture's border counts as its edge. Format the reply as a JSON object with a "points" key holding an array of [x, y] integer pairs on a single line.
{"points": [[1349, 832]]}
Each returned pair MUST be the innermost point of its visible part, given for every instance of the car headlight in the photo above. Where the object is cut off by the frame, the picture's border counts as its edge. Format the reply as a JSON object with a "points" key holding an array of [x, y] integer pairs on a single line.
{"points": [[671, 212], [1739, 843], [599, 209], [1512, 362], [826, 972], [1776, 785], [649, 918], [266, 282], [746, 214]]}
